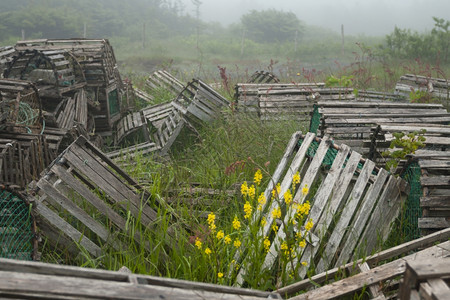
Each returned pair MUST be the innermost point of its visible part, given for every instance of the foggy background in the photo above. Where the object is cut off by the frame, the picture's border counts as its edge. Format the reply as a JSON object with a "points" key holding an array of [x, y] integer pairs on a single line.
{"points": [[369, 17]]}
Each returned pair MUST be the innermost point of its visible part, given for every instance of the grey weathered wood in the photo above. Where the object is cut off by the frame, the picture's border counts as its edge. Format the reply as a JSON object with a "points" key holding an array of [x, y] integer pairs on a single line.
{"points": [[372, 260], [358, 225], [378, 274], [341, 227]]}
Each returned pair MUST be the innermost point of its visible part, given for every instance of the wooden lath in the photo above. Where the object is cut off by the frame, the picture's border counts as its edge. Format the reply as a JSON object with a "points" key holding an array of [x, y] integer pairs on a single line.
{"points": [[351, 122], [437, 137], [435, 188], [437, 87], [428, 279], [6, 56], [19, 279], [263, 77], [199, 102], [163, 80], [372, 261], [83, 174], [366, 198], [286, 101], [380, 281]]}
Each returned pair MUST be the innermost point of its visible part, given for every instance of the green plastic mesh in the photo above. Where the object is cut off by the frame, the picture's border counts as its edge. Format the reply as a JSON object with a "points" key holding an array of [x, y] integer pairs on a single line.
{"points": [[413, 211], [315, 120], [16, 234], [113, 101]]}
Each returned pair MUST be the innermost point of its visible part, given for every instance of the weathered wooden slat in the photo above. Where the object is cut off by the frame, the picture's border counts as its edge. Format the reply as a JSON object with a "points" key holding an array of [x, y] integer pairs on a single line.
{"points": [[356, 228], [435, 181], [384, 272], [341, 227], [373, 260], [65, 227]]}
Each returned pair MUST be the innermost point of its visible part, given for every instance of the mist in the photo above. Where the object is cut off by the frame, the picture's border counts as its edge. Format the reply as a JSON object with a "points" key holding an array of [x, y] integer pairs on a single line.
{"points": [[359, 17]]}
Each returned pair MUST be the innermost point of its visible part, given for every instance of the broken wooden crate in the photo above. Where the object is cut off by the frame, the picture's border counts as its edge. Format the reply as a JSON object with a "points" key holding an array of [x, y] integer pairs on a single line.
{"points": [[435, 87], [83, 182], [22, 158], [162, 82], [6, 56], [198, 102], [99, 68], [20, 106], [366, 199], [19, 279], [377, 276], [263, 77], [18, 238], [426, 279], [286, 101], [351, 122], [437, 137], [431, 176]]}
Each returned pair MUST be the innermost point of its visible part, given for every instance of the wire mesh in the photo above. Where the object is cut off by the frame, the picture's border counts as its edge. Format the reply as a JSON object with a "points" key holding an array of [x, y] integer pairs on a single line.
{"points": [[16, 227]]}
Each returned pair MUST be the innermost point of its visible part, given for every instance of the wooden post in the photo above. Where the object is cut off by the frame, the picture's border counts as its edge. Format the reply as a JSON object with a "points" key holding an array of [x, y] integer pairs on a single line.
{"points": [[84, 30], [143, 36], [23, 34], [296, 40], [242, 42], [343, 40]]}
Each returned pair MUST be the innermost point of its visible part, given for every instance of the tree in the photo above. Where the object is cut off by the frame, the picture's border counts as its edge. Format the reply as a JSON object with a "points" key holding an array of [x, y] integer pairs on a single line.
{"points": [[271, 25]]}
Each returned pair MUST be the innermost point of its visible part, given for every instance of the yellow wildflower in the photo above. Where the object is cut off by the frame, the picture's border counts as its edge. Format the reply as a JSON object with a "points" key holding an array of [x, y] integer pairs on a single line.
{"points": [[304, 208], [288, 197], [227, 239], [302, 243], [220, 235], [237, 243], [296, 178], [208, 251], [220, 274], [198, 243], [251, 191], [304, 263], [258, 177], [263, 221], [284, 246], [247, 210], [244, 188], [305, 190], [266, 244], [276, 190], [309, 225], [236, 223], [276, 213], [211, 218], [275, 227]]}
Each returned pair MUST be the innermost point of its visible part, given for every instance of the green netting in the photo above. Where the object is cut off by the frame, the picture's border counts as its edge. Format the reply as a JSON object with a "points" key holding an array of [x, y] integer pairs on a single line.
{"points": [[329, 156], [315, 120], [413, 211], [16, 234], [113, 101]]}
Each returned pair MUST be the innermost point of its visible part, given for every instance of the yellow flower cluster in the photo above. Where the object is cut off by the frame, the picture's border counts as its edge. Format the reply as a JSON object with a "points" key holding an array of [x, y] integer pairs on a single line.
{"points": [[208, 251], [266, 244], [251, 191], [309, 225], [296, 178], [227, 239], [211, 221], [276, 213], [248, 210], [288, 197], [276, 190], [302, 243], [220, 275], [303, 209], [236, 223], [258, 177], [220, 235], [261, 201], [244, 188], [263, 221], [237, 243], [198, 243], [305, 190]]}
